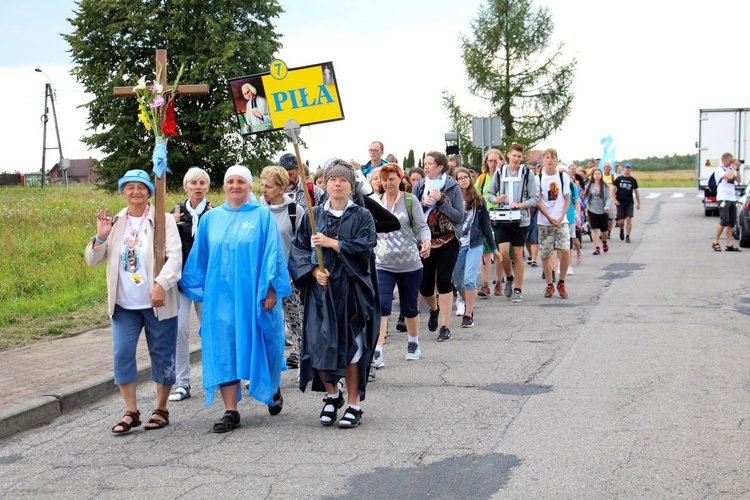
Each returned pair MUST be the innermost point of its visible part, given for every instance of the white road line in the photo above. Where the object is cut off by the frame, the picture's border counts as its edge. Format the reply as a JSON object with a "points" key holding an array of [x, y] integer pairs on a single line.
{"points": [[678, 195], [653, 195], [699, 195]]}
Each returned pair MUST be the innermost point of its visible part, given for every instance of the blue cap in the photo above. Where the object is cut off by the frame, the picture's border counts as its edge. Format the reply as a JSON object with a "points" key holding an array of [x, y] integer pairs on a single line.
{"points": [[136, 176], [627, 165]]}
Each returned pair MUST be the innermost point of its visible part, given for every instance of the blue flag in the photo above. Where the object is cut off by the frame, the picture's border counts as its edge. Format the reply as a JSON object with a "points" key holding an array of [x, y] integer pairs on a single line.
{"points": [[608, 153]]}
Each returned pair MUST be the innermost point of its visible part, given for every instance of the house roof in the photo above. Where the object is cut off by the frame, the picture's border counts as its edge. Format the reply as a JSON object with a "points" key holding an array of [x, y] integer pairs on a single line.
{"points": [[78, 168]]}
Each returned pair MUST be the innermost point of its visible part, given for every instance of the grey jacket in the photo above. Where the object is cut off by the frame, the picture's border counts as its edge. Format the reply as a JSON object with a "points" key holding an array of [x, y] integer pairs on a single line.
{"points": [[528, 194], [284, 222]]}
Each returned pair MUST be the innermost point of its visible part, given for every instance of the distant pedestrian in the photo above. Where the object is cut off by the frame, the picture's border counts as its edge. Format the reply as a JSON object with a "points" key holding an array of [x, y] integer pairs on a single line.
{"points": [[625, 188], [554, 233], [137, 299], [398, 263], [196, 183], [597, 196], [476, 229], [441, 202], [727, 176]]}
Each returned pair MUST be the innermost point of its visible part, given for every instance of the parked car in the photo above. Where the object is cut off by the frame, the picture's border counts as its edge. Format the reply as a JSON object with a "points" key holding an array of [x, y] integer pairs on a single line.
{"points": [[741, 231]]}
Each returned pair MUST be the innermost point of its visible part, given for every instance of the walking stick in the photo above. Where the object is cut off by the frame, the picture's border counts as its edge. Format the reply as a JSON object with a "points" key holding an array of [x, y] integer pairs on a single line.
{"points": [[291, 128]]}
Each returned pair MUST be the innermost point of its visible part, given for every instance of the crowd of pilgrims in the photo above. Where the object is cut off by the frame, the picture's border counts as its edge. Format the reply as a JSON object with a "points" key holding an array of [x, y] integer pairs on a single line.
{"points": [[259, 278]]}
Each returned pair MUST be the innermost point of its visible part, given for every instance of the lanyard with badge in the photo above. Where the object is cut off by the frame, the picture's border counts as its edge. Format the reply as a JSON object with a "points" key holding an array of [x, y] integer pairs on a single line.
{"points": [[133, 243]]}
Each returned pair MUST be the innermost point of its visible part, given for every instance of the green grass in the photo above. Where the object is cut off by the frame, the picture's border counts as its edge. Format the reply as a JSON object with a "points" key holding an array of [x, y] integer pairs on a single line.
{"points": [[666, 179], [46, 288]]}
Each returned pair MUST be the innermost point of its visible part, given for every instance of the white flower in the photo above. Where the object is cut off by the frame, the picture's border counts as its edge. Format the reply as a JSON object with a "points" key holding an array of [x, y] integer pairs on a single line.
{"points": [[141, 83], [159, 88]]}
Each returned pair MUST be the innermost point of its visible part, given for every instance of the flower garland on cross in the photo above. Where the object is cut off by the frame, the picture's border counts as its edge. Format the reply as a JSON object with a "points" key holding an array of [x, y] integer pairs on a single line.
{"points": [[156, 113]]}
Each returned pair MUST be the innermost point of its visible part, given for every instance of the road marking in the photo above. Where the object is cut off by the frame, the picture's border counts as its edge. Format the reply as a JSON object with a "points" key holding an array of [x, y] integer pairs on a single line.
{"points": [[678, 195], [652, 195]]}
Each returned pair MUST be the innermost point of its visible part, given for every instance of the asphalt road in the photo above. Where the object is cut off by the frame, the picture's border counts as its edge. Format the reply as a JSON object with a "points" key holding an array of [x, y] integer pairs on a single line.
{"points": [[634, 387]]}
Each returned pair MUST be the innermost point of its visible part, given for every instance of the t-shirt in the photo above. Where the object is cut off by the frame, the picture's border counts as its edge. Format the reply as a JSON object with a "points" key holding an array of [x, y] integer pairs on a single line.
{"points": [[132, 285], [724, 190], [609, 179], [624, 187], [552, 195]]}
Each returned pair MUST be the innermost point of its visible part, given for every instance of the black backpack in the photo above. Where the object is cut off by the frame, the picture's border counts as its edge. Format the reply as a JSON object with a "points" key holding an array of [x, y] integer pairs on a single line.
{"points": [[711, 189]]}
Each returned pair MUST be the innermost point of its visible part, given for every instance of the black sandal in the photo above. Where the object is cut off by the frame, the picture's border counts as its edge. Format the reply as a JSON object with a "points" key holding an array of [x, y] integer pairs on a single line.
{"points": [[331, 415], [733, 248], [160, 423], [278, 403], [351, 418], [229, 421], [716, 247], [135, 417]]}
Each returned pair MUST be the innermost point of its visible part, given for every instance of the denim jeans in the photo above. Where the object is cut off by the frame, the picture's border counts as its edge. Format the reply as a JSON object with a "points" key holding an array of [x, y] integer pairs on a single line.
{"points": [[467, 266], [161, 337]]}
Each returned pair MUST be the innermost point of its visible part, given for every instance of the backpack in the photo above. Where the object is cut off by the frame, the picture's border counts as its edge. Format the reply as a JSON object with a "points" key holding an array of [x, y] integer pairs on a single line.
{"points": [[409, 197], [292, 209], [711, 189], [311, 190]]}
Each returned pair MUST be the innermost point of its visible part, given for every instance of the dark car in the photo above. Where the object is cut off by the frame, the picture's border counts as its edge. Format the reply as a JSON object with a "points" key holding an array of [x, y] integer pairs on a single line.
{"points": [[742, 228]]}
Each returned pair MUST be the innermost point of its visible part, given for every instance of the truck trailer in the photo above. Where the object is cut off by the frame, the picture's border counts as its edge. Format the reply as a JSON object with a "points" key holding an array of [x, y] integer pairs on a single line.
{"points": [[721, 130]]}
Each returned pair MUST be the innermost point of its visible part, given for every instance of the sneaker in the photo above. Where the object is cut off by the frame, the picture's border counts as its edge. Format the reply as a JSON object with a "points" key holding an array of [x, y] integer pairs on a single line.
{"points": [[445, 334], [529, 261], [401, 324], [579, 257], [516, 297], [570, 270], [549, 291], [372, 374], [377, 360], [533, 263], [561, 290], [292, 361], [467, 322], [498, 291], [605, 246], [432, 323], [622, 234], [180, 392], [412, 351], [508, 291], [484, 291], [596, 251], [627, 239], [460, 306]]}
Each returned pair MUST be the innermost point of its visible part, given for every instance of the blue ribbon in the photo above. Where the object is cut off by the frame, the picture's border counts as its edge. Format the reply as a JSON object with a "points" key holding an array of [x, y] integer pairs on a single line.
{"points": [[608, 154], [160, 159]]}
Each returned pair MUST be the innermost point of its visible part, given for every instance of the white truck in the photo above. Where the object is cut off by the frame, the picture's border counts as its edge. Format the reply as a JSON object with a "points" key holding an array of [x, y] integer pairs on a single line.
{"points": [[722, 130]]}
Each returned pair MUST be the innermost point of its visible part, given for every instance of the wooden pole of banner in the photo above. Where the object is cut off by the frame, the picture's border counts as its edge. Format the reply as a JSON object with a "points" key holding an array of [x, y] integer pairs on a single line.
{"points": [[291, 128]]}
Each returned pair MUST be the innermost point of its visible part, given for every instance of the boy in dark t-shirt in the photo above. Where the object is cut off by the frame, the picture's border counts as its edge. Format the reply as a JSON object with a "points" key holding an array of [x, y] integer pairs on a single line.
{"points": [[625, 186]]}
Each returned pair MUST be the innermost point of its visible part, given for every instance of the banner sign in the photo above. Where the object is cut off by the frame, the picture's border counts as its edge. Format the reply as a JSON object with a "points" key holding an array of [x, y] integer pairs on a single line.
{"points": [[265, 101]]}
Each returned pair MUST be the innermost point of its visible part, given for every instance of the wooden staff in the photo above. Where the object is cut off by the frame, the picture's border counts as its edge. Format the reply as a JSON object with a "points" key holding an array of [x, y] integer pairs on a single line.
{"points": [[291, 127]]}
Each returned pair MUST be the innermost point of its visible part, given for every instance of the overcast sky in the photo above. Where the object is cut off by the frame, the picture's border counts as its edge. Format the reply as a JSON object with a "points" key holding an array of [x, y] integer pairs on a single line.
{"points": [[645, 68]]}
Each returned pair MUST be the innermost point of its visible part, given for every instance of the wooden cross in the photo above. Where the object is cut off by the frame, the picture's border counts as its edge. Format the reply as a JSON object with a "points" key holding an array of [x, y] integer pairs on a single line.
{"points": [[160, 235]]}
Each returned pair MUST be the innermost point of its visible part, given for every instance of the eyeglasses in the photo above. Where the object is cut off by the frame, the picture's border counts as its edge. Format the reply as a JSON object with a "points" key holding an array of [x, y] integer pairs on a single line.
{"points": [[373, 150], [463, 178]]}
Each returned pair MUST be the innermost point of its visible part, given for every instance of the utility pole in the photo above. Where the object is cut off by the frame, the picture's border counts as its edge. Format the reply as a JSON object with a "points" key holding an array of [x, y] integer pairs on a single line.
{"points": [[49, 96]]}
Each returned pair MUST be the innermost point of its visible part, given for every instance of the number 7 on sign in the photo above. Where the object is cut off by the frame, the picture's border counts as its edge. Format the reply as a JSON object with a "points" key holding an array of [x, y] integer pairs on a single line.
{"points": [[278, 69]]}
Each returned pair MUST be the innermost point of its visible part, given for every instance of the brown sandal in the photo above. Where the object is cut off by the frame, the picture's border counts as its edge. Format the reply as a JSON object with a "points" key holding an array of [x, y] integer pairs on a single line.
{"points": [[135, 416], [157, 423]]}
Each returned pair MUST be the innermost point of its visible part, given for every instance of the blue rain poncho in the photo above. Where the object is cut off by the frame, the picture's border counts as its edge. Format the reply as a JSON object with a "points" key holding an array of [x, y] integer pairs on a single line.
{"points": [[236, 256]]}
